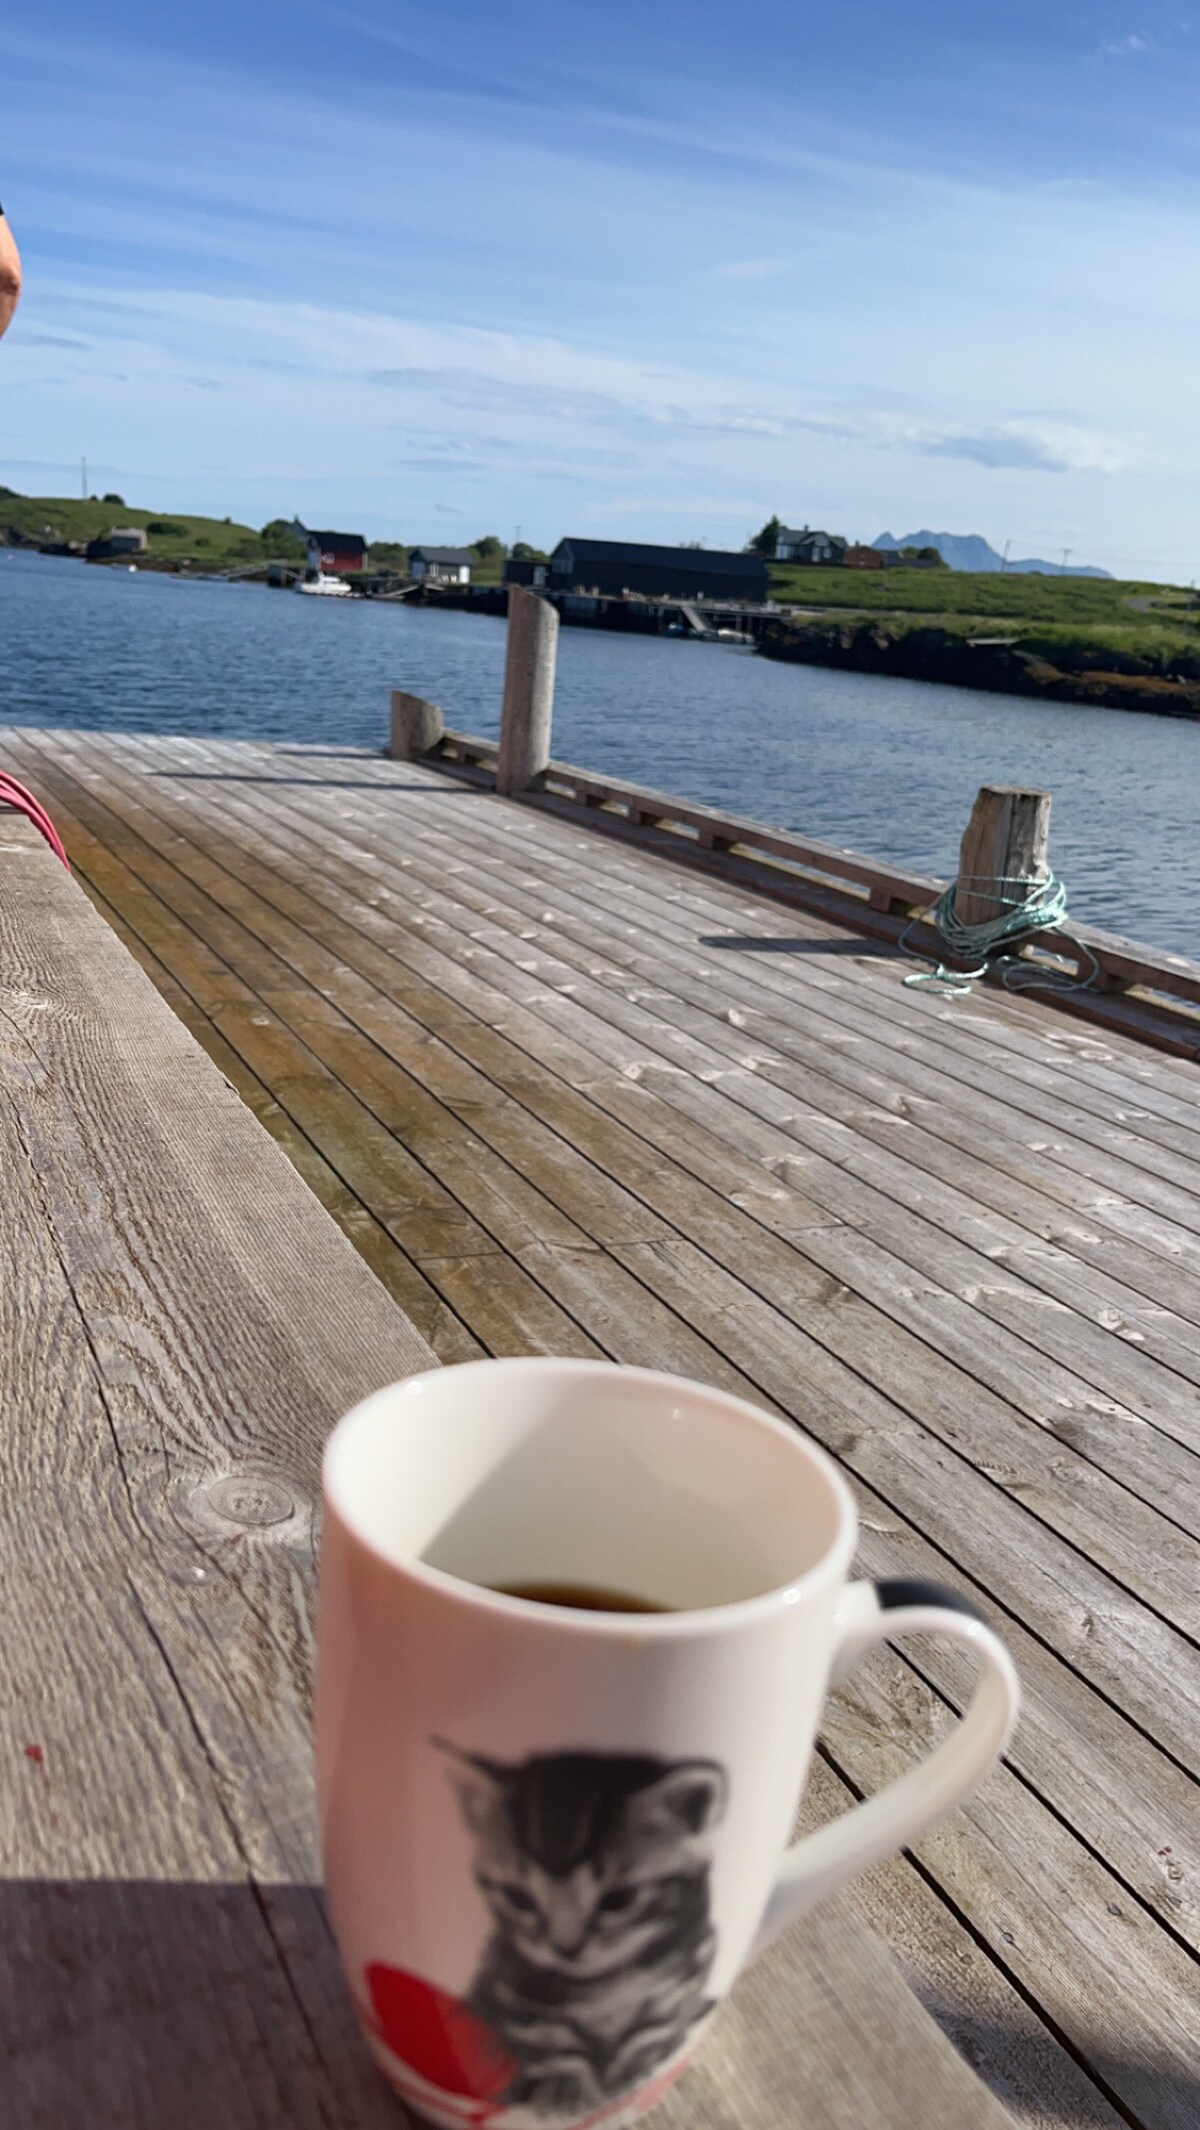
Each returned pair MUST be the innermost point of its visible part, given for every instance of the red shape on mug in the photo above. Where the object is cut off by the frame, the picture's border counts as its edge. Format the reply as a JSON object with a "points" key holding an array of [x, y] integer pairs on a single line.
{"points": [[438, 2036]]}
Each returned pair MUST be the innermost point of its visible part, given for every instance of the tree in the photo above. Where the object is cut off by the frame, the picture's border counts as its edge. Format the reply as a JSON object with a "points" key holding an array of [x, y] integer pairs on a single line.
{"points": [[118, 500], [490, 549], [279, 537], [763, 542], [523, 552]]}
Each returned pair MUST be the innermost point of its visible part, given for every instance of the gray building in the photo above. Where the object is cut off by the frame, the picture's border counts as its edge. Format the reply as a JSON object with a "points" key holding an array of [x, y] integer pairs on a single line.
{"points": [[616, 566], [441, 565]]}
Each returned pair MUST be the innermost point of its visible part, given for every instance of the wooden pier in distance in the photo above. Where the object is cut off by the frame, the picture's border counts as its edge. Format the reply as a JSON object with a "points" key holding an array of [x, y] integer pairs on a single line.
{"points": [[566, 1095]]}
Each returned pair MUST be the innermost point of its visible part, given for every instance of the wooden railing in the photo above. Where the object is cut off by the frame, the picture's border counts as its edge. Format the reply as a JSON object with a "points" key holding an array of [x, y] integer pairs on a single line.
{"points": [[1150, 994]]}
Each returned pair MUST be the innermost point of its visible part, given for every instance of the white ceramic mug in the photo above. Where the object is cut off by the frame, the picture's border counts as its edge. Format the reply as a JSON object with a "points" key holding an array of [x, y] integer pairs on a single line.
{"points": [[554, 1837]]}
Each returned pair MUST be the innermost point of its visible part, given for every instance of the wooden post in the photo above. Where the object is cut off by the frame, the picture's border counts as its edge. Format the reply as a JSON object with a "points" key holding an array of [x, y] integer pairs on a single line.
{"points": [[417, 726], [1006, 838], [528, 710]]}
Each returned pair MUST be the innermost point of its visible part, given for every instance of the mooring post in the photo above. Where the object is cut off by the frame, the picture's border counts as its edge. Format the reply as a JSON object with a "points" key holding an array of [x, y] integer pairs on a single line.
{"points": [[1005, 841], [528, 710], [417, 726]]}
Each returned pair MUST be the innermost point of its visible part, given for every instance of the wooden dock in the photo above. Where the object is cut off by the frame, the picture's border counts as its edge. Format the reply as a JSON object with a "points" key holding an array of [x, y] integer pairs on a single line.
{"points": [[566, 1096]]}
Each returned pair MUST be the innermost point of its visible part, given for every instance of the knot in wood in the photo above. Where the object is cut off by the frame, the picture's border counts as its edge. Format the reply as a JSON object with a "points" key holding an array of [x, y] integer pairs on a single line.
{"points": [[250, 1500]]}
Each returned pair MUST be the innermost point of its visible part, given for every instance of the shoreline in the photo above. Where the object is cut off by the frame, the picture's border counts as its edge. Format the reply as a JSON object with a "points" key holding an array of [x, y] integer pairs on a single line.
{"points": [[994, 665], [1096, 676]]}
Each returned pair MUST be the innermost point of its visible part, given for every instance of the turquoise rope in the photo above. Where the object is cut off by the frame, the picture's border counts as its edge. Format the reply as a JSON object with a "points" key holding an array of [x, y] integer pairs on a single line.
{"points": [[1038, 905]]}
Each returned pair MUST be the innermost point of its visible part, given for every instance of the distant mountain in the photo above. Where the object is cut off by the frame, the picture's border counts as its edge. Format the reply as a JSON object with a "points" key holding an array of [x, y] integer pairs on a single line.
{"points": [[971, 551]]}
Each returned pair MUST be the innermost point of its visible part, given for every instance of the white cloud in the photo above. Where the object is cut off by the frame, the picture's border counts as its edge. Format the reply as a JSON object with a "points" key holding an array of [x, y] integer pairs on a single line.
{"points": [[1127, 47], [543, 346]]}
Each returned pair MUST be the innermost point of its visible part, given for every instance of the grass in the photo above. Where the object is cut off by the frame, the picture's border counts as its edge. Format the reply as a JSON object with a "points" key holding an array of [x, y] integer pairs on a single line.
{"points": [[1133, 646], [211, 543], [990, 600], [215, 543]]}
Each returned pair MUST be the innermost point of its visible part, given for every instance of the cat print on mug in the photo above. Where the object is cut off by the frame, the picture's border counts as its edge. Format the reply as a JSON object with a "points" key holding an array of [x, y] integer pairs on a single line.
{"points": [[595, 1867]]}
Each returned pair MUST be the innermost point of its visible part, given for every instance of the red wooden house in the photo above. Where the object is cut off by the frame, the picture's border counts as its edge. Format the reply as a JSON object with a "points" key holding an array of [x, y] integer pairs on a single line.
{"points": [[333, 554]]}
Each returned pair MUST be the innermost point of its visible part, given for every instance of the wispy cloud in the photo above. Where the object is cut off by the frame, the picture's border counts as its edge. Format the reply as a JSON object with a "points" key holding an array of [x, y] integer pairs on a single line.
{"points": [[1062, 448], [520, 277], [1051, 446], [25, 337], [1129, 46]]}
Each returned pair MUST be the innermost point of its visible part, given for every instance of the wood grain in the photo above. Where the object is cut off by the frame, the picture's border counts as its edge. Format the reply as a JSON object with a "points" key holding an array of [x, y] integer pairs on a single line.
{"points": [[810, 873], [688, 1127], [1004, 841], [164, 1955]]}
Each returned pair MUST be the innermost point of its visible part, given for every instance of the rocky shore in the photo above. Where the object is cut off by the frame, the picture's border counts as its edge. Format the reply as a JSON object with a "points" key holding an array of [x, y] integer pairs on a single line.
{"points": [[1101, 679]]}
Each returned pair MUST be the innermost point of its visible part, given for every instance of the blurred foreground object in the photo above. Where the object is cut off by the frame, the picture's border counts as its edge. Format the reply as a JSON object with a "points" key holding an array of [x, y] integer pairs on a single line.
{"points": [[10, 273]]}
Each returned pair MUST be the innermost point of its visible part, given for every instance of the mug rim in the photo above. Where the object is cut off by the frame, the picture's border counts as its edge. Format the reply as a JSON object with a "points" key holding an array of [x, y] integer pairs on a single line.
{"points": [[832, 1566]]}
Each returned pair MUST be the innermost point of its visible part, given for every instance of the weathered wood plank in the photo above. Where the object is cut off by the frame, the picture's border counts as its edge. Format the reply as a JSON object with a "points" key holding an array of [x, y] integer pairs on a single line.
{"points": [[392, 1189], [883, 1115], [650, 1266], [1100, 1779], [1026, 1021], [1046, 1173], [388, 974], [426, 1310], [1113, 1306], [148, 1660], [1147, 1062], [171, 1878], [1172, 1032], [364, 770], [907, 1013]]}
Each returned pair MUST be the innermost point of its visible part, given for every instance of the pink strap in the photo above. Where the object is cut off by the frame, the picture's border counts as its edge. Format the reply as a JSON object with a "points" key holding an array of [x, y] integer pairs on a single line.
{"points": [[23, 802]]}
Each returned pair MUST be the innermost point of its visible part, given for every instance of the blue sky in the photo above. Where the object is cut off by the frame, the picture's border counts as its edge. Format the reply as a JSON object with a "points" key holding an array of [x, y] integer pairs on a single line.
{"points": [[642, 270]]}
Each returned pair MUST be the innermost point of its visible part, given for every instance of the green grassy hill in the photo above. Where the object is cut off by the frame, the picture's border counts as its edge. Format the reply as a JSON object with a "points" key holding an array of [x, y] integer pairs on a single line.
{"points": [[1077, 622], [215, 543], [983, 596]]}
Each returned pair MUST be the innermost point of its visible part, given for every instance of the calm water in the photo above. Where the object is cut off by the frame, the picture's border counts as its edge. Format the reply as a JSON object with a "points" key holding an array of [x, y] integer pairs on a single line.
{"points": [[888, 766]]}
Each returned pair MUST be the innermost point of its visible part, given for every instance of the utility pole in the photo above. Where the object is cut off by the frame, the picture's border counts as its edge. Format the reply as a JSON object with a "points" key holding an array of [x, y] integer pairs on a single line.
{"points": [[83, 479], [1066, 556], [1004, 557]]}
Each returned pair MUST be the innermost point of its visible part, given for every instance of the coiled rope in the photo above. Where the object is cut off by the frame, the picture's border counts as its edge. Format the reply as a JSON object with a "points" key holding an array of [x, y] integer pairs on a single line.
{"points": [[1034, 903]]}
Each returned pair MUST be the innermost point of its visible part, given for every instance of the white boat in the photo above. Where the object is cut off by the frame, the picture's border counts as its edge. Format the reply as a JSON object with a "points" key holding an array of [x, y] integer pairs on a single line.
{"points": [[323, 587]]}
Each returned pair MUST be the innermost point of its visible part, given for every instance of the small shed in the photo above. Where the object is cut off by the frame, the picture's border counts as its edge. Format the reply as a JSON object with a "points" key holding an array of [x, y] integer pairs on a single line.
{"points": [[441, 565]]}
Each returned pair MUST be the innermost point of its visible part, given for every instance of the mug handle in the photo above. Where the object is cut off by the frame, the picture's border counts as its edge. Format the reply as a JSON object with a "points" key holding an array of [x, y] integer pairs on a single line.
{"points": [[869, 1613]]}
